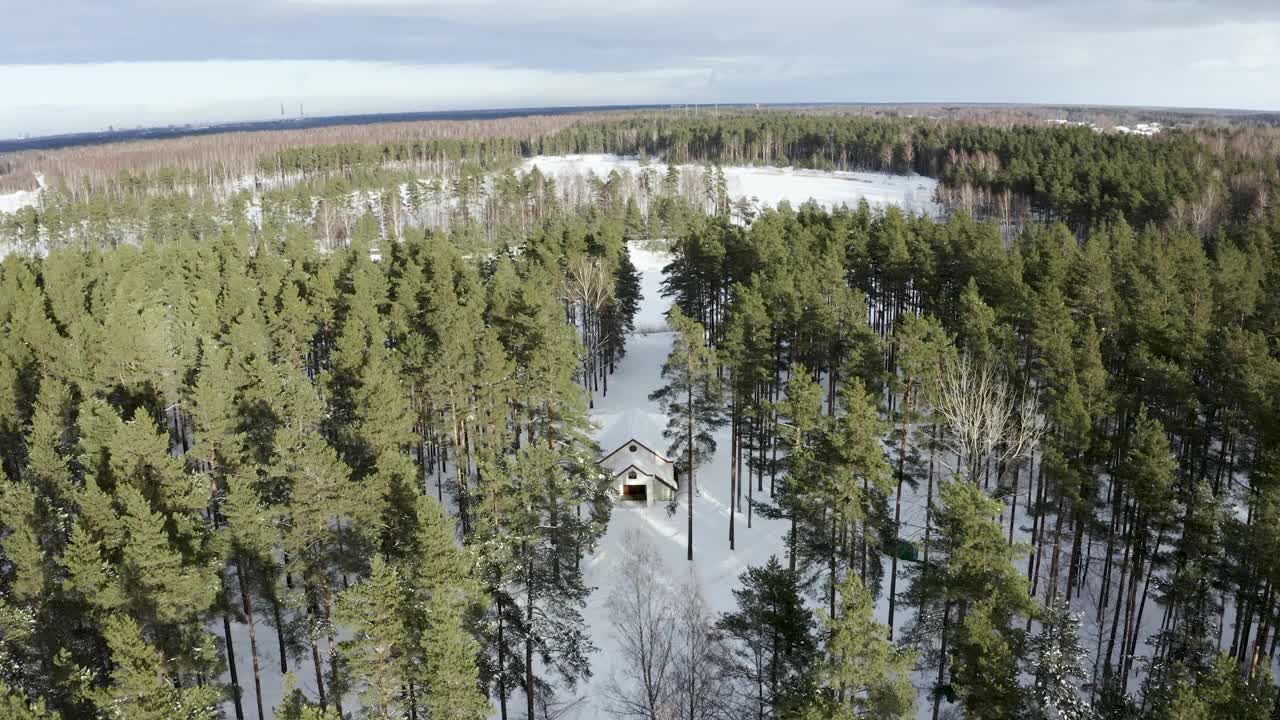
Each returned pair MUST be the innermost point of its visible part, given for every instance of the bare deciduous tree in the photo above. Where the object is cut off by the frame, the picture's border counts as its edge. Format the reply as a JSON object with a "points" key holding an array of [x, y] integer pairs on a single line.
{"points": [[703, 685], [590, 287], [987, 422], [673, 663], [642, 608]]}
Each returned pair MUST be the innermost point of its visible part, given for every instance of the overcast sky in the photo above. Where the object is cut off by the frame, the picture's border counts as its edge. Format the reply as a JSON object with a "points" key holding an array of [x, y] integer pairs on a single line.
{"points": [[69, 65]]}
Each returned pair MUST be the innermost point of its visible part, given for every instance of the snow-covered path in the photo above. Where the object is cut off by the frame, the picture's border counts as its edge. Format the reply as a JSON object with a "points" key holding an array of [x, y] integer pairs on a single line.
{"points": [[715, 567]]}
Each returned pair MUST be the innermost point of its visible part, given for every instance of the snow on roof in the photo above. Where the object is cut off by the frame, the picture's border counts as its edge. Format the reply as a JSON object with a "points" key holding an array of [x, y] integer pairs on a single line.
{"points": [[643, 431], [643, 427], [644, 459], [661, 474]]}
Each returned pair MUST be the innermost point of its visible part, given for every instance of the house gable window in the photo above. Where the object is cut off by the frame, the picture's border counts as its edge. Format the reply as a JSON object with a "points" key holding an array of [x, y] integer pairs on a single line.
{"points": [[632, 448]]}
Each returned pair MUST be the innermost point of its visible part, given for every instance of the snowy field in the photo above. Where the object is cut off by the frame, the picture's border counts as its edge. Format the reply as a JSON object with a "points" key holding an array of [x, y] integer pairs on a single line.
{"points": [[15, 201], [770, 185]]}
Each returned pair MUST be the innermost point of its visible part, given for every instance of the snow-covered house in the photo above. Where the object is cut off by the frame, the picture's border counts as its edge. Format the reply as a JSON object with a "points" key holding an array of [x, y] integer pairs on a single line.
{"points": [[640, 472]]}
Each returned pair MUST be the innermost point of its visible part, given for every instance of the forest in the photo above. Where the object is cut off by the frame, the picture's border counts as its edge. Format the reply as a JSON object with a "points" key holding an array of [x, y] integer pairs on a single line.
{"points": [[345, 406]]}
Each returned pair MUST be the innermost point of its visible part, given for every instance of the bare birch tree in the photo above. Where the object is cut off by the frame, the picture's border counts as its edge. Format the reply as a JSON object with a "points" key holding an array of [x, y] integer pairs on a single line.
{"points": [[703, 685], [987, 421], [590, 288], [642, 608]]}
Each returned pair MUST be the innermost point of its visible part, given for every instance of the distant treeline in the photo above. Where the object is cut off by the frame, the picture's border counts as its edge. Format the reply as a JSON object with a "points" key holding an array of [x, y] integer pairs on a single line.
{"points": [[1072, 174], [1012, 172], [222, 159]]}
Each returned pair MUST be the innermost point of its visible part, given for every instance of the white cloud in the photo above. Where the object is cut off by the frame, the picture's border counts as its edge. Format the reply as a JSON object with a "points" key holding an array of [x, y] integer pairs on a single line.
{"points": [[214, 60], [1254, 48], [500, 11]]}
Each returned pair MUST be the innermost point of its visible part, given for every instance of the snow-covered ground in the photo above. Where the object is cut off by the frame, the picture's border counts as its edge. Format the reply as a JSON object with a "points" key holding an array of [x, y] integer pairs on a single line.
{"points": [[715, 567], [15, 201], [770, 185]]}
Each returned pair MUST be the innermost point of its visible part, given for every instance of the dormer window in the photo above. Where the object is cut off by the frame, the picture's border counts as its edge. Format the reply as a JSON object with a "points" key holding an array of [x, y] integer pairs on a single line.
{"points": [[632, 448]]}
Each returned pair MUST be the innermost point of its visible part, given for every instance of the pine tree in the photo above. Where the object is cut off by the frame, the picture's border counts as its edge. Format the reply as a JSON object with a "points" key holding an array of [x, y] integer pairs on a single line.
{"points": [[866, 676], [379, 654], [619, 317], [774, 651], [539, 532], [1217, 692], [142, 686], [445, 575], [327, 524], [692, 402], [1148, 472], [747, 349], [15, 707], [921, 348], [969, 600], [799, 496], [1058, 667]]}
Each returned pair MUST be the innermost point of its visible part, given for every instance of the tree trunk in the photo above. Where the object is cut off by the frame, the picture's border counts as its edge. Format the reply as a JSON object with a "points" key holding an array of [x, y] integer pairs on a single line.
{"points": [[231, 662], [1057, 551], [733, 470], [246, 605], [942, 661], [315, 661], [1077, 545], [528, 641], [333, 653], [275, 614], [1115, 619], [897, 511], [1146, 589], [689, 439], [502, 664], [754, 425], [1131, 603]]}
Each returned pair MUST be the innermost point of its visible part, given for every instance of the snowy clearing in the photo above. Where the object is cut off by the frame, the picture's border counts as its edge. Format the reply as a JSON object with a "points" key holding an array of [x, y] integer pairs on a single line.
{"points": [[770, 185], [15, 201]]}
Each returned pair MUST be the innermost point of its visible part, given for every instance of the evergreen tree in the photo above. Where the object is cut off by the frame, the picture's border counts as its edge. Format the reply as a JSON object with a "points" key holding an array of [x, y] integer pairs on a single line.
{"points": [[379, 653], [142, 685], [799, 495], [774, 651], [969, 599], [1058, 667], [866, 676], [16, 707], [692, 402]]}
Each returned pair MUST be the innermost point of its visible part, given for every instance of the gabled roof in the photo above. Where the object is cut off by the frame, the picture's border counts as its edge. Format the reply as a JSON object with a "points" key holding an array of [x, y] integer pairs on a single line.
{"points": [[624, 450], [643, 459], [656, 476], [638, 426]]}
